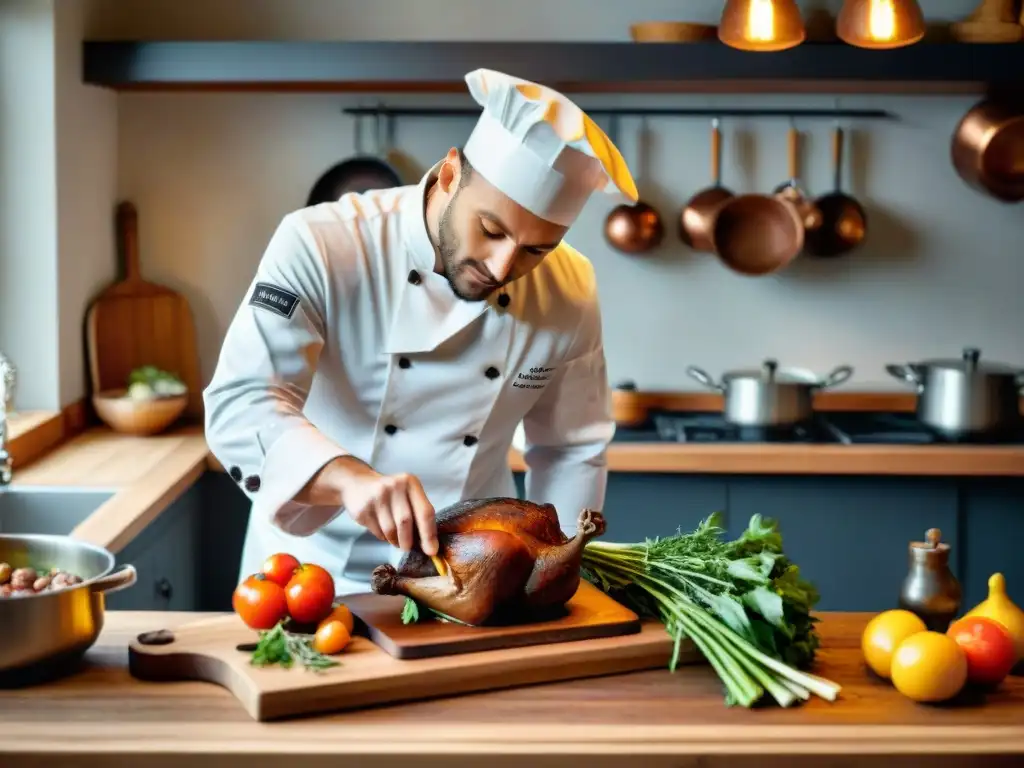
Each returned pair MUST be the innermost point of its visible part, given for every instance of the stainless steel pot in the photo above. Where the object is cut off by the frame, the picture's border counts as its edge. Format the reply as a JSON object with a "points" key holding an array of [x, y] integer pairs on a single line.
{"points": [[770, 396], [53, 630], [962, 397]]}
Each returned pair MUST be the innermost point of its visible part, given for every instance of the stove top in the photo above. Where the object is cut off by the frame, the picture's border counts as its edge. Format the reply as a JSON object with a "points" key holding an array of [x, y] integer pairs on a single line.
{"points": [[839, 428]]}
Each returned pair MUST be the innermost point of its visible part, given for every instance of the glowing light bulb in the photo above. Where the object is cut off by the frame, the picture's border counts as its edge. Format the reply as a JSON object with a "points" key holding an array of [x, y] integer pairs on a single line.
{"points": [[761, 21], [882, 20]]}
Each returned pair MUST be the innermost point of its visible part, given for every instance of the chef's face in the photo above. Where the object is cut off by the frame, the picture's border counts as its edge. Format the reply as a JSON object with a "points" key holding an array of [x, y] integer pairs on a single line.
{"points": [[486, 240]]}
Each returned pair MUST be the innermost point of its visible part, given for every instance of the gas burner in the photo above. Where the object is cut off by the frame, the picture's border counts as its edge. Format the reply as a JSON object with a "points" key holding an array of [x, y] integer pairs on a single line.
{"points": [[713, 428]]}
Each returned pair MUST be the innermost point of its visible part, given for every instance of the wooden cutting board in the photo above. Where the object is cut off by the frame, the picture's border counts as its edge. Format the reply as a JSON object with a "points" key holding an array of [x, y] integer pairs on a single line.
{"points": [[590, 613], [135, 322], [207, 649]]}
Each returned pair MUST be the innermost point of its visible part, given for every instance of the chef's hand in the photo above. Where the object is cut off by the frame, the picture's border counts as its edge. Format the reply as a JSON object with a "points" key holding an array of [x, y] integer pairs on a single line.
{"points": [[394, 508]]}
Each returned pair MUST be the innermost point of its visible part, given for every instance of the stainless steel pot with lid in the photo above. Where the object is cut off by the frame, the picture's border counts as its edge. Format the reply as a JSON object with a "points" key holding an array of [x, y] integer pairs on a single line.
{"points": [[46, 633], [770, 396], [964, 396]]}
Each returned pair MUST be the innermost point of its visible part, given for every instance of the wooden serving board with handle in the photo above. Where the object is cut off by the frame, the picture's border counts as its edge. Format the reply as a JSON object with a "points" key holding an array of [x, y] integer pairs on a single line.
{"points": [[134, 322], [590, 613], [217, 650]]}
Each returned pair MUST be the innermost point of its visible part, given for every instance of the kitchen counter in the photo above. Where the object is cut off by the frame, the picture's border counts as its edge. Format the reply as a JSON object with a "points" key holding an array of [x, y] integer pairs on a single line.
{"points": [[146, 473], [103, 717]]}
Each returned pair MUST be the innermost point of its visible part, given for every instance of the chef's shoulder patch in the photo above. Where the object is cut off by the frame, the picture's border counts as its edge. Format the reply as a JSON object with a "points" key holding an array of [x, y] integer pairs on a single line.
{"points": [[274, 299]]}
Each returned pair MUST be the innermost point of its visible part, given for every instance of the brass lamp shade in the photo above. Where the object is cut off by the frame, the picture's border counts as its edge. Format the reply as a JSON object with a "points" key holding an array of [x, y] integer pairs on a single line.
{"points": [[761, 25], [880, 23]]}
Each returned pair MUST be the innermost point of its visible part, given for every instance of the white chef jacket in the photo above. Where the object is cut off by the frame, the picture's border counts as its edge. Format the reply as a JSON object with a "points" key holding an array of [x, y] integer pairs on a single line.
{"points": [[348, 343]]}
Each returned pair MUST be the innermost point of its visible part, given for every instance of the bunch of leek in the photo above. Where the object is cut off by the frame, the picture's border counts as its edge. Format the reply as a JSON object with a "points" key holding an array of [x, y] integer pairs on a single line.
{"points": [[742, 603]]}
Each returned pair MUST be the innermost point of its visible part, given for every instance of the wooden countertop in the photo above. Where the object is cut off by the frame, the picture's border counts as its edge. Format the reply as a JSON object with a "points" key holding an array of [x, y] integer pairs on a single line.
{"points": [[146, 474], [103, 717]]}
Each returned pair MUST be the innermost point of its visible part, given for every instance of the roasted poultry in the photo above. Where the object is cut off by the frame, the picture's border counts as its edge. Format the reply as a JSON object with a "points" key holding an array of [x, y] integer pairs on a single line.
{"points": [[503, 560]]}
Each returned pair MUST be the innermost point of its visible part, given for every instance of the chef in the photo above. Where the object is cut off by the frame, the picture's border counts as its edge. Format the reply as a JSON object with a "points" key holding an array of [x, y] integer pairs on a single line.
{"points": [[391, 343]]}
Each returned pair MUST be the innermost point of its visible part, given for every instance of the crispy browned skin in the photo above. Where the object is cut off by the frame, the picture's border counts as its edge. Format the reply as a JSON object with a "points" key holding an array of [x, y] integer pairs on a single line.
{"points": [[508, 560]]}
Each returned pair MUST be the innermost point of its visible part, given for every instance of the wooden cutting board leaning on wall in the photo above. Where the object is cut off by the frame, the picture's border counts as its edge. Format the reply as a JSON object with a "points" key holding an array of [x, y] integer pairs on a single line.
{"points": [[134, 323]]}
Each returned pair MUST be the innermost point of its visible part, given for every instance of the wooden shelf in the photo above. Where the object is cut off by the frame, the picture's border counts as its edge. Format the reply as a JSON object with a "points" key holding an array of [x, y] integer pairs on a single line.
{"points": [[572, 66]]}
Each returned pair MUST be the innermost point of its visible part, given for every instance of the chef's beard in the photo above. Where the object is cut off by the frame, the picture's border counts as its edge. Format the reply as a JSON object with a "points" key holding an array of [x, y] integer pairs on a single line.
{"points": [[458, 271]]}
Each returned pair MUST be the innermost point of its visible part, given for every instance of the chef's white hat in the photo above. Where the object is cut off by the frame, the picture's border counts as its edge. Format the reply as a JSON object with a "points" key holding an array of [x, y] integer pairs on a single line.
{"points": [[540, 149]]}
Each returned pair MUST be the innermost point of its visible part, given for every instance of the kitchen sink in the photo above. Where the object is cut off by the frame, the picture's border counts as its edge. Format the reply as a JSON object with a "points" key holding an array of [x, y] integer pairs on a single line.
{"points": [[45, 509]]}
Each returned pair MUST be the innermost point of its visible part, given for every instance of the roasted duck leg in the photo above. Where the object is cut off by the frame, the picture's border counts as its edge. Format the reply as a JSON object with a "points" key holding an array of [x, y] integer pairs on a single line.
{"points": [[507, 560]]}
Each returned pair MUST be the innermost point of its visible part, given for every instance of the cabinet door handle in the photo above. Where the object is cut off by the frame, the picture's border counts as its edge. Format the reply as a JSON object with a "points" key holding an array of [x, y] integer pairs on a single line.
{"points": [[163, 589]]}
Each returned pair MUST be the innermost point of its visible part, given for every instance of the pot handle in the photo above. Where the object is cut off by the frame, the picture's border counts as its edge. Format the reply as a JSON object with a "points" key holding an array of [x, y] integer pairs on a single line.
{"points": [[116, 581], [904, 373], [837, 377], [700, 375]]}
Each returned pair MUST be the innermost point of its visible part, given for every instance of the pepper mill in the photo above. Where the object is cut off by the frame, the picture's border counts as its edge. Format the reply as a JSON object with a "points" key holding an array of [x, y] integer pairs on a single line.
{"points": [[930, 589]]}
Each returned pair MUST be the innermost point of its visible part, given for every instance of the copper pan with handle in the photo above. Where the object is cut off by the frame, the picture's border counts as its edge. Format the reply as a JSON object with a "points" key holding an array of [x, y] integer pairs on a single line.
{"points": [[756, 235], [988, 149]]}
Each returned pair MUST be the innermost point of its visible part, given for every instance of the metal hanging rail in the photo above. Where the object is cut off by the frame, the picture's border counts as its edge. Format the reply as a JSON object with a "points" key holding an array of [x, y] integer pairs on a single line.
{"points": [[446, 112]]}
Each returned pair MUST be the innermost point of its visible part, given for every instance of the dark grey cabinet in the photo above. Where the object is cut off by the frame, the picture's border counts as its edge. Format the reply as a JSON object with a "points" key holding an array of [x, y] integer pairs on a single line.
{"points": [[166, 556], [849, 535]]}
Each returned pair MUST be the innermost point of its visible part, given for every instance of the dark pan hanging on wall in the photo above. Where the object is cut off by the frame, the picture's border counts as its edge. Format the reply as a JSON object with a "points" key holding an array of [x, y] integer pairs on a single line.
{"points": [[360, 173]]}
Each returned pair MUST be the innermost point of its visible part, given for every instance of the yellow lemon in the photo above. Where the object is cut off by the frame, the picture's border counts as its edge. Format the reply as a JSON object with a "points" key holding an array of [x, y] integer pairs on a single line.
{"points": [[929, 666], [883, 634]]}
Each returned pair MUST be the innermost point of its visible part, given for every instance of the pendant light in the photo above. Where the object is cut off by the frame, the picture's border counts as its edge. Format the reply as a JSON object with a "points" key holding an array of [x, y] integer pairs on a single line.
{"points": [[761, 25], [880, 23]]}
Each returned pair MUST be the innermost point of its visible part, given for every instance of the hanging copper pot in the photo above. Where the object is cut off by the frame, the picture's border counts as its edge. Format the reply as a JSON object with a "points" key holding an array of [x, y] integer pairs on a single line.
{"points": [[636, 228], [988, 149]]}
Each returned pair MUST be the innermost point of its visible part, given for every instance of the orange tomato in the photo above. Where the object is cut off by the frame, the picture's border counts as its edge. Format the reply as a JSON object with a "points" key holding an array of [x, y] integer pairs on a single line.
{"points": [[260, 602], [341, 613], [280, 567], [310, 594], [331, 637]]}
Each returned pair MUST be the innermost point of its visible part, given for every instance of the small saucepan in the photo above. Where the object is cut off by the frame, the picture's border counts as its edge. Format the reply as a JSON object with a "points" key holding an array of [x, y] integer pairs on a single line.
{"points": [[988, 149], [769, 396], [360, 173]]}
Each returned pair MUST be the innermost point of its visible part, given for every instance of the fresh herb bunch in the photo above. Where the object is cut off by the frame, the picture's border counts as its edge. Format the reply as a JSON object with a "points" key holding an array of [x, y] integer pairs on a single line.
{"points": [[743, 604], [278, 646]]}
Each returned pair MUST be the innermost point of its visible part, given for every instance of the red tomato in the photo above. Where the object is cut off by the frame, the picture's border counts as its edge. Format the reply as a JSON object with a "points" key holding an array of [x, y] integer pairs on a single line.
{"points": [[280, 567], [988, 647], [310, 594], [260, 602]]}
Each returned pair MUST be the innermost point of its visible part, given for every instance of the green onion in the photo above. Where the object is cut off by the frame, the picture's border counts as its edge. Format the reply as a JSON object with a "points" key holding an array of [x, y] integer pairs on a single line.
{"points": [[742, 603]]}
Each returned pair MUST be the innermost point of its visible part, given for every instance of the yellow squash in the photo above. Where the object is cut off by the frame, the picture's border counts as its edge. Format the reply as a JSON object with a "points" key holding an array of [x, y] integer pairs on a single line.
{"points": [[999, 607]]}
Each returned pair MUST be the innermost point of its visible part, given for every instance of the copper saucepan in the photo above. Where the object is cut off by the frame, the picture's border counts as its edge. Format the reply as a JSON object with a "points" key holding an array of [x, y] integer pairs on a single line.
{"points": [[758, 234], [697, 216], [988, 149], [844, 221]]}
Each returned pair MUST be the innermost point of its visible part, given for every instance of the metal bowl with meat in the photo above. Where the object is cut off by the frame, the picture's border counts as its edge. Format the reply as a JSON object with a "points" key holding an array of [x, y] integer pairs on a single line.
{"points": [[52, 591]]}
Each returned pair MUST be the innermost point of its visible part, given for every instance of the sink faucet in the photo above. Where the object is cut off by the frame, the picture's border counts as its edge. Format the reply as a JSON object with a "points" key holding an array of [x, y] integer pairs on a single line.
{"points": [[8, 379]]}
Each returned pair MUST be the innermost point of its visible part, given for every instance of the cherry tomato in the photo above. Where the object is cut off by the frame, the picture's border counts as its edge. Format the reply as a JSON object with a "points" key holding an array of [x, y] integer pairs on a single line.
{"points": [[310, 594], [341, 613], [260, 602], [988, 646], [331, 637], [280, 567]]}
